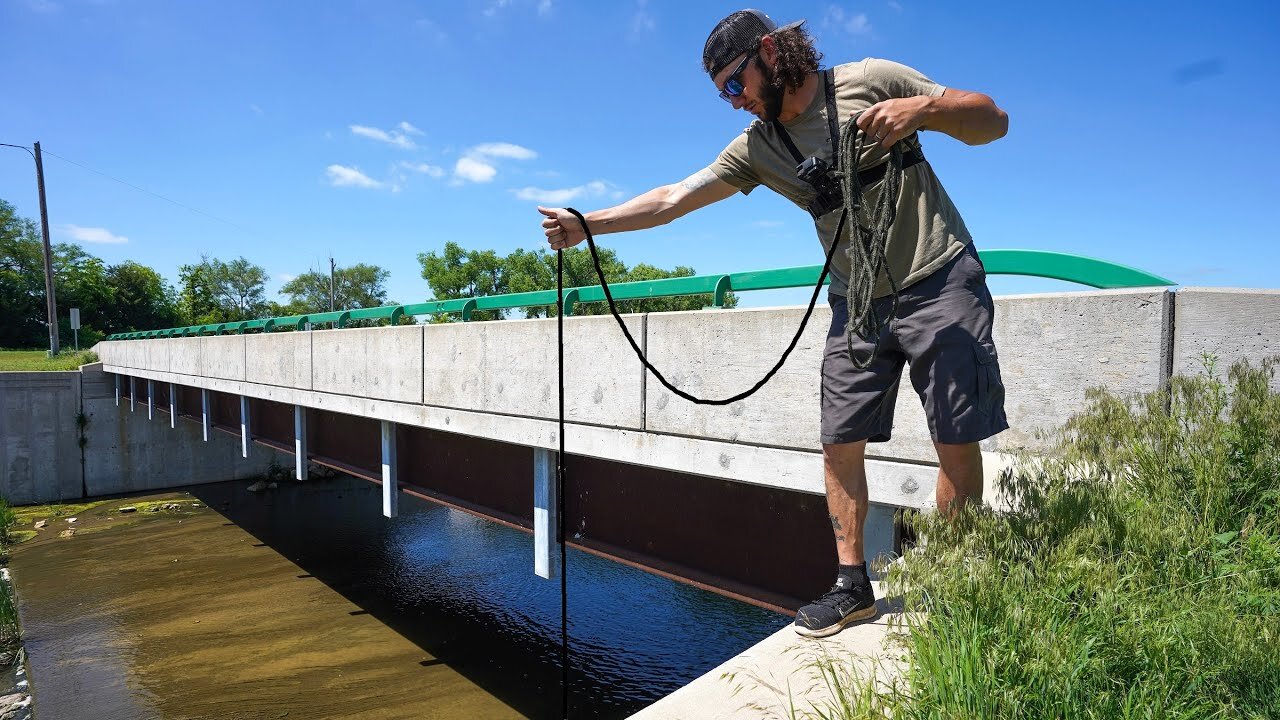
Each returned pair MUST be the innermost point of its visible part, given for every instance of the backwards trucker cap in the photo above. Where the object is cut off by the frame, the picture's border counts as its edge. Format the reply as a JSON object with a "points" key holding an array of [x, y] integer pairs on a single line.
{"points": [[736, 34]]}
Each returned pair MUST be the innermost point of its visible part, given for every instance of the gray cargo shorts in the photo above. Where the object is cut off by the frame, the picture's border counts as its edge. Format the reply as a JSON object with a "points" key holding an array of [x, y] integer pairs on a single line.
{"points": [[943, 329]]}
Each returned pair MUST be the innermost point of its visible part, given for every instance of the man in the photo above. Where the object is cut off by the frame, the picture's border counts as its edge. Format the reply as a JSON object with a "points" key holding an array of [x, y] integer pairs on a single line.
{"points": [[944, 317]]}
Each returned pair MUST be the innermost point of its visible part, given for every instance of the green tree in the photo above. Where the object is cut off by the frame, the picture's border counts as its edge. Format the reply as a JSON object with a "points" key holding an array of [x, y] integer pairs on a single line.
{"points": [[357, 286], [140, 300], [22, 324], [459, 273], [216, 291]]}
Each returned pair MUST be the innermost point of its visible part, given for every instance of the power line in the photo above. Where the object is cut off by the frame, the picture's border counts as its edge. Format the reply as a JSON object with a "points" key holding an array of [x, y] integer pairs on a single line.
{"points": [[153, 194]]}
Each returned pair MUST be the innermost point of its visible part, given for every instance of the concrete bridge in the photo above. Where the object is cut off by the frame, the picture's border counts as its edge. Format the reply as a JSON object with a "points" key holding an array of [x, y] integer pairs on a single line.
{"points": [[728, 498]]}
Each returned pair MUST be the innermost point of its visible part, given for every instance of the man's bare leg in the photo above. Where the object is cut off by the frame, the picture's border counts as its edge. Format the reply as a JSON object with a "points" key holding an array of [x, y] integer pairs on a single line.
{"points": [[959, 476], [846, 480], [851, 599]]}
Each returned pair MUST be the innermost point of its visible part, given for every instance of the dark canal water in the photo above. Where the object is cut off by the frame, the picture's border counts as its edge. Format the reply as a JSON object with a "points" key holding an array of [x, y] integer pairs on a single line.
{"points": [[461, 589]]}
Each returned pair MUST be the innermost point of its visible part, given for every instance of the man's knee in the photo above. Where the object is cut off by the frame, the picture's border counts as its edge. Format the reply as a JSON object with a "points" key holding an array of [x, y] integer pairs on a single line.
{"points": [[844, 452]]}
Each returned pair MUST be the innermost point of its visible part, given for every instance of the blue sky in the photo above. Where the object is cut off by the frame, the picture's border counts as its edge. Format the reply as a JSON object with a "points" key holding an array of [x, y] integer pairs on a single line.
{"points": [[1142, 133]]}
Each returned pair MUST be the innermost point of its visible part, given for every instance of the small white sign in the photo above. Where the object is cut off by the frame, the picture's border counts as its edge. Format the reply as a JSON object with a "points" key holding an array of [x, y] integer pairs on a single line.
{"points": [[75, 318]]}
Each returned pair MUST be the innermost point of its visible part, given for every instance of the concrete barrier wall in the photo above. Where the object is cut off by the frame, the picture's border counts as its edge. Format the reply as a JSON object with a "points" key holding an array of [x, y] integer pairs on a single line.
{"points": [[488, 378], [41, 458], [39, 442], [509, 367], [1229, 324]]}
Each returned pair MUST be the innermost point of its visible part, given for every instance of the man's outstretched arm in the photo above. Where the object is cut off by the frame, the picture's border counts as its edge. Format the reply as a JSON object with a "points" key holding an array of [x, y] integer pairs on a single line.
{"points": [[657, 207]]}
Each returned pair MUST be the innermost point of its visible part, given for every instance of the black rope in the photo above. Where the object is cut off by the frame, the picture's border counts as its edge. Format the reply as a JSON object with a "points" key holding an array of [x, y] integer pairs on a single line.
{"points": [[613, 308], [560, 537], [867, 256]]}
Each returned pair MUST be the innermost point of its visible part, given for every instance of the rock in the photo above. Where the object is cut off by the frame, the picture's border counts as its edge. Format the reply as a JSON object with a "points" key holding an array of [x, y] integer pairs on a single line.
{"points": [[71, 520], [195, 504], [258, 486], [127, 509], [41, 523], [172, 506], [272, 486], [67, 533]]}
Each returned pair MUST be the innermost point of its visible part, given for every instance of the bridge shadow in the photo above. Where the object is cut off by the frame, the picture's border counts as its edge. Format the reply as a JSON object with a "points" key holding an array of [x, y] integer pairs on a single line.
{"points": [[334, 532]]}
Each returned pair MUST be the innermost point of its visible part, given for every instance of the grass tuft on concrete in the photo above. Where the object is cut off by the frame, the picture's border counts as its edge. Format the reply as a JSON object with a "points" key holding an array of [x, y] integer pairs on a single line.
{"points": [[1137, 575], [38, 360]]}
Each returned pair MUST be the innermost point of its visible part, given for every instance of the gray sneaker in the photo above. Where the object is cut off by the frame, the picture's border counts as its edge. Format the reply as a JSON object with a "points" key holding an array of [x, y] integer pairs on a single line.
{"points": [[840, 606]]}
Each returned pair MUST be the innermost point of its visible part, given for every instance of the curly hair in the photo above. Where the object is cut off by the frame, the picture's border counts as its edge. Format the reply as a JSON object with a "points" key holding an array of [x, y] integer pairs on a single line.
{"points": [[797, 58]]}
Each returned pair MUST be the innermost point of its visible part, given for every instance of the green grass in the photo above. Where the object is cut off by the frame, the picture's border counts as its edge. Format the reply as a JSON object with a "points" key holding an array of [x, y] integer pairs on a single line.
{"points": [[28, 360], [10, 632], [1138, 575]]}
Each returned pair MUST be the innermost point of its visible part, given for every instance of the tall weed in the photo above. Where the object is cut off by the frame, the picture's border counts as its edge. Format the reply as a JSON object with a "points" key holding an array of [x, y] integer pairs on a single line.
{"points": [[1137, 574]]}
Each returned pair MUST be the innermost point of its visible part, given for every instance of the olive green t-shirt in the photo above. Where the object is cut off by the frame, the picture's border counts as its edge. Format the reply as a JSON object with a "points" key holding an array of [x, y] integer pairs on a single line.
{"points": [[928, 230]]}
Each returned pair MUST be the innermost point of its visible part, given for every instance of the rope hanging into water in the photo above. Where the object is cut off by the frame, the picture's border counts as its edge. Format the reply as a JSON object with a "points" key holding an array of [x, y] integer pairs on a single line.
{"points": [[560, 538], [867, 259]]}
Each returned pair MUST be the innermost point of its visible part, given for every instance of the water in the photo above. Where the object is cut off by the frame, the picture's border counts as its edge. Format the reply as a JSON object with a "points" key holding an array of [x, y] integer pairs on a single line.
{"points": [[456, 589]]}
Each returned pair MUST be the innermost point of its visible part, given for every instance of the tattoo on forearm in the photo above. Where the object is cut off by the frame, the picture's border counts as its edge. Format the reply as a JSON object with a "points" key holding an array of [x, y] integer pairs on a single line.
{"points": [[698, 180], [835, 522]]}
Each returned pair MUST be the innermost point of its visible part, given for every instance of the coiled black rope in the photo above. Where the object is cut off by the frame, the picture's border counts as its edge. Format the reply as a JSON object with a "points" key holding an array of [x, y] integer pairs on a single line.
{"points": [[868, 256]]}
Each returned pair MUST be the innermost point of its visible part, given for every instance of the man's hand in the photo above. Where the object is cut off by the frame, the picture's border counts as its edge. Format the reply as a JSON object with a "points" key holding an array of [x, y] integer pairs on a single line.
{"points": [[889, 121], [562, 229]]}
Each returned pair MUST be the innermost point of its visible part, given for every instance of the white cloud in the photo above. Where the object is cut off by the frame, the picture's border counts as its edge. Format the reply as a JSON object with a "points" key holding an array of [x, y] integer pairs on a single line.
{"points": [[477, 163], [255, 108], [503, 150], [44, 6], [286, 277], [544, 7], [897, 6], [398, 137], [851, 23], [474, 170], [643, 21], [434, 171], [768, 223], [495, 6], [94, 235], [343, 176], [595, 188]]}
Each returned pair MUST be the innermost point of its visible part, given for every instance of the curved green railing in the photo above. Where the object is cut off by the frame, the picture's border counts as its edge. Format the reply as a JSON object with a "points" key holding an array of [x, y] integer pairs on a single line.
{"points": [[1035, 263]]}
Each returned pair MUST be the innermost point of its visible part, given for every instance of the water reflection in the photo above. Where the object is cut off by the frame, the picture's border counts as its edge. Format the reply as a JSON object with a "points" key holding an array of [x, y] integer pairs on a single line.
{"points": [[463, 589]]}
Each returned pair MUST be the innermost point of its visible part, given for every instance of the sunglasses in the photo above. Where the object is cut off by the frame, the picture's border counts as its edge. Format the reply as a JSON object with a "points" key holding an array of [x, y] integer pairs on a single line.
{"points": [[733, 86]]}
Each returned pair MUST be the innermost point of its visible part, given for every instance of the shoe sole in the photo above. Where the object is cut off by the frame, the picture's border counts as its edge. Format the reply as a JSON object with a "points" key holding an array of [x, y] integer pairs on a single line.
{"points": [[855, 616]]}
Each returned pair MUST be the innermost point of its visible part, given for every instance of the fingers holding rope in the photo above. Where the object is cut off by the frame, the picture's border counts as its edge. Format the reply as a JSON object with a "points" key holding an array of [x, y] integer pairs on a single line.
{"points": [[562, 228]]}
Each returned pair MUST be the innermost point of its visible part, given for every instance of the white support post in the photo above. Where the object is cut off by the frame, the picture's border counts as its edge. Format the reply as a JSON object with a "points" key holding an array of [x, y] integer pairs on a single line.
{"points": [[390, 473], [117, 390], [244, 426], [204, 413], [133, 395], [151, 399], [299, 442], [173, 407], [546, 551]]}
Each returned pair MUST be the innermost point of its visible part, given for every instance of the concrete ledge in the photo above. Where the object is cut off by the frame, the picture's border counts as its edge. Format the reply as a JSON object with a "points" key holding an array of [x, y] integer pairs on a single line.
{"points": [[383, 363], [781, 672]]}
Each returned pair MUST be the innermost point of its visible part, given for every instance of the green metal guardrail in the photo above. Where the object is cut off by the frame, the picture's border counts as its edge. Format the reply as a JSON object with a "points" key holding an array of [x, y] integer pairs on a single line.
{"points": [[1036, 263]]}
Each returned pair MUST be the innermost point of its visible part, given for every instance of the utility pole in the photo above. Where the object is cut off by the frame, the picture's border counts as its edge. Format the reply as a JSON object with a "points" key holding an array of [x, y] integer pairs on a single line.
{"points": [[50, 302], [331, 273]]}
